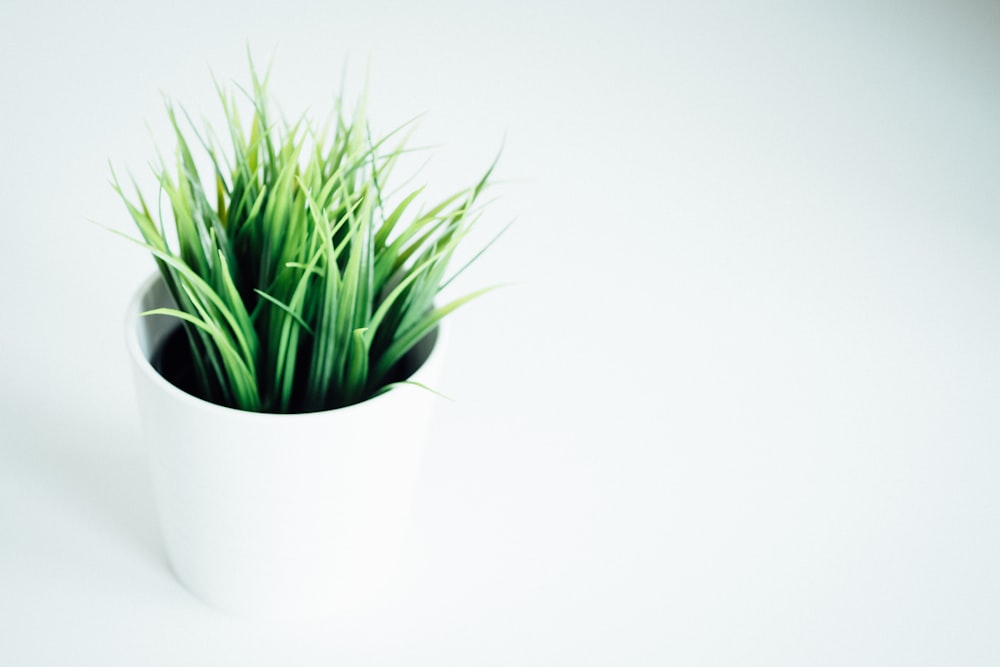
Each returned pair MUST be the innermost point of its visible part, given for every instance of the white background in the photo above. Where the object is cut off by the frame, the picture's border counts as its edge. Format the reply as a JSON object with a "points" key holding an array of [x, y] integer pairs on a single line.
{"points": [[738, 407]]}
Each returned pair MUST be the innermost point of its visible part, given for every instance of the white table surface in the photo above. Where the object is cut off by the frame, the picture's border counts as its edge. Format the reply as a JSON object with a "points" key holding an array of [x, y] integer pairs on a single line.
{"points": [[739, 406]]}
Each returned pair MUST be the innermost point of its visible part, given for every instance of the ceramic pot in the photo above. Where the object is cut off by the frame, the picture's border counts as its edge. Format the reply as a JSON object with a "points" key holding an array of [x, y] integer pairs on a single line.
{"points": [[275, 515]]}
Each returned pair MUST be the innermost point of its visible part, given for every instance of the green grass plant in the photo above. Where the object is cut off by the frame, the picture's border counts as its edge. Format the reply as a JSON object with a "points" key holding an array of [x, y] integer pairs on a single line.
{"points": [[299, 287]]}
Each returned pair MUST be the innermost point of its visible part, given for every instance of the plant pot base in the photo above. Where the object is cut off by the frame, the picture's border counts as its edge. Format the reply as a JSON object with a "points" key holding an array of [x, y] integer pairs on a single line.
{"points": [[279, 516]]}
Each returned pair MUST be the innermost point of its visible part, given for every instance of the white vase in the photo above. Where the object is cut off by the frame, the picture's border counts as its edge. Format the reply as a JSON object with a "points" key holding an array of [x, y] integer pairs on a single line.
{"points": [[272, 515]]}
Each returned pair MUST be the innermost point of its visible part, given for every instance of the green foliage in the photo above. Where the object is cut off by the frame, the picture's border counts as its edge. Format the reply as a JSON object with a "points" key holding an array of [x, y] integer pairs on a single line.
{"points": [[299, 291]]}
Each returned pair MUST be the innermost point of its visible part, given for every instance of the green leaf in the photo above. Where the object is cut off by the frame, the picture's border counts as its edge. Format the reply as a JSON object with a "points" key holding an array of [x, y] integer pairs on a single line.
{"points": [[297, 289]]}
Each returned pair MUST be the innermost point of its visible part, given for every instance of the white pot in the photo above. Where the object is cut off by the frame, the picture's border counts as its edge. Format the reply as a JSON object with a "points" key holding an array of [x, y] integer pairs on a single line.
{"points": [[271, 515]]}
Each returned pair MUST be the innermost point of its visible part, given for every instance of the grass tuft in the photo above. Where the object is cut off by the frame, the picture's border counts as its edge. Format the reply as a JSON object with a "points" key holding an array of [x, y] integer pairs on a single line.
{"points": [[297, 288]]}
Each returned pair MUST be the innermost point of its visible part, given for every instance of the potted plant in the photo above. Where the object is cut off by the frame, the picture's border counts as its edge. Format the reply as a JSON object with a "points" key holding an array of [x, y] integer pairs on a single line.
{"points": [[295, 300]]}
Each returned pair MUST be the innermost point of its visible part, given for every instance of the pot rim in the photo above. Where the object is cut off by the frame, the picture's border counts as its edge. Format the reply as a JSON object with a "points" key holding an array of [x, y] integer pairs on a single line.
{"points": [[143, 365]]}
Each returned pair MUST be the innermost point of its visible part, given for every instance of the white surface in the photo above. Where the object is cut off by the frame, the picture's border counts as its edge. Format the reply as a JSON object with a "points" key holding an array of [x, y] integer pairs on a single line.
{"points": [[739, 409]]}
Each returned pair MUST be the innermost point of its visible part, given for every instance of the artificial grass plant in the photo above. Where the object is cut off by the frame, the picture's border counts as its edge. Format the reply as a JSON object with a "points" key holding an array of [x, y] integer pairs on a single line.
{"points": [[298, 288]]}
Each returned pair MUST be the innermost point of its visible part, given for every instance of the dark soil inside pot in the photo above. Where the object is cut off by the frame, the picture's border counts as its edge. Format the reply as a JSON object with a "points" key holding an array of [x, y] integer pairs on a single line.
{"points": [[173, 361]]}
